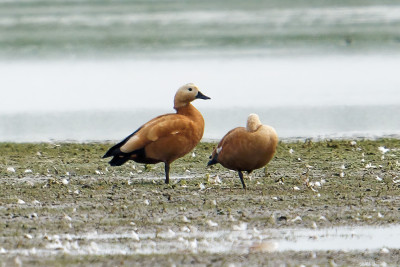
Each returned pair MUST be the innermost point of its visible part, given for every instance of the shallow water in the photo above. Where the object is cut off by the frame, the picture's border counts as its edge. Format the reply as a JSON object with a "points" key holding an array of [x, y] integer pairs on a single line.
{"points": [[96, 70], [239, 240], [107, 100], [72, 29], [291, 123]]}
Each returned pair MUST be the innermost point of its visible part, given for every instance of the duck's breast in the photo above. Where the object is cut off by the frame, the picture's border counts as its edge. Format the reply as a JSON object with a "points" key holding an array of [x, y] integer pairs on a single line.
{"points": [[265, 139]]}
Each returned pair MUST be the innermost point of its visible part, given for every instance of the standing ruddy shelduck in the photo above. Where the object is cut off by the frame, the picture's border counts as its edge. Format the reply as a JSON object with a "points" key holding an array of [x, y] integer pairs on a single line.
{"points": [[246, 149], [166, 137]]}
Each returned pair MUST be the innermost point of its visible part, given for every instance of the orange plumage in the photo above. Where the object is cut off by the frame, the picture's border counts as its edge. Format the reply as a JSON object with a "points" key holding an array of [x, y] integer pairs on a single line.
{"points": [[246, 149], [166, 137]]}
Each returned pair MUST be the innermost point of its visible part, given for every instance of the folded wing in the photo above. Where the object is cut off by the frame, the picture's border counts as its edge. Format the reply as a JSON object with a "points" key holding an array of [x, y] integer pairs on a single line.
{"points": [[158, 130]]}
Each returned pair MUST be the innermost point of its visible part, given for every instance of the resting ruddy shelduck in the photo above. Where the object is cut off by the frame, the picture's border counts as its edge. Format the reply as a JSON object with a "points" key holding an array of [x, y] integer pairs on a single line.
{"points": [[166, 137], [246, 149]]}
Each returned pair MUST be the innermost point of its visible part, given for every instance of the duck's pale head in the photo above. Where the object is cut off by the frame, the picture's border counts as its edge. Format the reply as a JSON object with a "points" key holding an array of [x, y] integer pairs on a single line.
{"points": [[186, 94], [253, 122]]}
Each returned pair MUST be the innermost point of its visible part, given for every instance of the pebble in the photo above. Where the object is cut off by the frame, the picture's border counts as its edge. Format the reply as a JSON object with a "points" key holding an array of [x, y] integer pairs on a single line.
{"points": [[383, 149], [202, 186], [170, 234], [135, 236], [263, 247], [298, 218], [185, 229], [28, 236], [384, 251], [212, 224], [193, 244], [185, 219], [241, 227], [322, 218]]}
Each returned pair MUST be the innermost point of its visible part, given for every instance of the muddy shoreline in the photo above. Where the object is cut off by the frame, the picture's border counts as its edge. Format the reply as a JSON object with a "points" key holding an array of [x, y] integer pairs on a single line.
{"points": [[54, 194]]}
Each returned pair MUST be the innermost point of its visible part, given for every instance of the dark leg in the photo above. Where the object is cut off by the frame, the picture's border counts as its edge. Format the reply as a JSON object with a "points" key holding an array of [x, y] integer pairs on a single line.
{"points": [[241, 179], [166, 172]]}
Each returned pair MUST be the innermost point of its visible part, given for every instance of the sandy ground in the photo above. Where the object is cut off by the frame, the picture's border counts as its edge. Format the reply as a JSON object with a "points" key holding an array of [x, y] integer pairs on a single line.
{"points": [[61, 204]]}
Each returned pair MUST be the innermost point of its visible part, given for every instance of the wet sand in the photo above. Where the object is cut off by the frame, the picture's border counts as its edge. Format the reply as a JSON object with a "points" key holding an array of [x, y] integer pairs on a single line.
{"points": [[61, 204]]}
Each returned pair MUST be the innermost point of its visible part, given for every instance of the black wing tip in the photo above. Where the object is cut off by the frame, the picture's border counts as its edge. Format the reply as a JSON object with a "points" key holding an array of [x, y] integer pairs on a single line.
{"points": [[114, 150], [118, 161], [113, 163], [109, 153]]}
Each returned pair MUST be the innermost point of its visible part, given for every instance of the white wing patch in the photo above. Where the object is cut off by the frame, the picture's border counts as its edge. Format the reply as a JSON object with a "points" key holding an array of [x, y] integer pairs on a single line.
{"points": [[219, 149], [175, 132]]}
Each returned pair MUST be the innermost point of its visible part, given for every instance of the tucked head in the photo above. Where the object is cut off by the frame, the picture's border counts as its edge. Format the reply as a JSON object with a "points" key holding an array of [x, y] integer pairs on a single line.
{"points": [[186, 94], [253, 122], [214, 156]]}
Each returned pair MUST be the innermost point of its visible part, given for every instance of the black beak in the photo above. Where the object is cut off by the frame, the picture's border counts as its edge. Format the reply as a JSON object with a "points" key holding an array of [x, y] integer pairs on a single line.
{"points": [[213, 160], [201, 96]]}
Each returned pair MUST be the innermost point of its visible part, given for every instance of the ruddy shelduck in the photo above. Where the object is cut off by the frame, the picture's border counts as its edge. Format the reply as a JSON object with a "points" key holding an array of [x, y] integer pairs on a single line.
{"points": [[166, 137], [246, 149]]}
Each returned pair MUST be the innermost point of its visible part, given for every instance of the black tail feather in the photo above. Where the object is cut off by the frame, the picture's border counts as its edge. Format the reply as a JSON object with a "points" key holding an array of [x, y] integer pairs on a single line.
{"points": [[114, 151], [118, 160], [109, 153]]}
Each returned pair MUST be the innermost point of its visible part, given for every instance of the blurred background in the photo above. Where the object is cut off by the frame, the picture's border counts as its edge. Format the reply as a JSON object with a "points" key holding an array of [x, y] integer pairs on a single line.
{"points": [[83, 70]]}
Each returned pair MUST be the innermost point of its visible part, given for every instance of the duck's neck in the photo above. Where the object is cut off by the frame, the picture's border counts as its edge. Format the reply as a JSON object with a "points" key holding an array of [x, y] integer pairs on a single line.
{"points": [[190, 111]]}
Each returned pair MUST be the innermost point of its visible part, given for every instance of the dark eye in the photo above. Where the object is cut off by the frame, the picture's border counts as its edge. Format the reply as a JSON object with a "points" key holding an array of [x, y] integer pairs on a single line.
{"points": [[190, 89]]}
